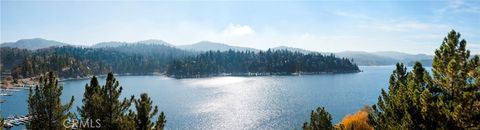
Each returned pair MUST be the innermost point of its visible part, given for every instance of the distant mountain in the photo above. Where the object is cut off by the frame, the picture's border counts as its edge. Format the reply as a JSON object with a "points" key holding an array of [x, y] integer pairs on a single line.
{"points": [[33, 44], [293, 49], [117, 44], [207, 46], [404, 56], [375, 58], [365, 58], [109, 44], [154, 41], [425, 62], [154, 47], [386, 58]]}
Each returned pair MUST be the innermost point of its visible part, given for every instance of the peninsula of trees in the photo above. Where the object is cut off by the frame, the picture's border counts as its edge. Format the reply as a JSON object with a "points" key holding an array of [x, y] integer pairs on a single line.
{"points": [[276, 62]]}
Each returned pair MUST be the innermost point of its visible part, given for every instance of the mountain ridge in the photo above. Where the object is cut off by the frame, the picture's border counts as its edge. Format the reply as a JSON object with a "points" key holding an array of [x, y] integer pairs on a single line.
{"points": [[359, 57], [208, 45], [33, 43]]}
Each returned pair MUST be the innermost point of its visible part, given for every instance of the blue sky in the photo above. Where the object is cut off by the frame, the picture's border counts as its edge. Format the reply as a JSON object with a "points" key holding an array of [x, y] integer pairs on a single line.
{"points": [[327, 26]]}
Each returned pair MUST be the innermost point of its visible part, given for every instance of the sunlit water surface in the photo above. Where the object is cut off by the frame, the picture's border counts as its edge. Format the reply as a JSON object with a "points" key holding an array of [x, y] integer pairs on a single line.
{"points": [[269, 102]]}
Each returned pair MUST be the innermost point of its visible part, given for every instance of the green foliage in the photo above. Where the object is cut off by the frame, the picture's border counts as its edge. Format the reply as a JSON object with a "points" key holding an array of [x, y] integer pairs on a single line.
{"points": [[11, 57], [45, 106], [113, 112], [144, 112], [92, 102], [449, 100], [103, 103], [319, 120], [161, 121], [73, 62], [456, 74], [279, 62]]}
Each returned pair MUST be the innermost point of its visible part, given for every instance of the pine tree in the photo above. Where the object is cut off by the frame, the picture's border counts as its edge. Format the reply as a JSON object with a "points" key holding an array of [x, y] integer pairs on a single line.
{"points": [[449, 100], [92, 103], [319, 120], [144, 112], [113, 112], [390, 111], [456, 75], [45, 106], [161, 121]]}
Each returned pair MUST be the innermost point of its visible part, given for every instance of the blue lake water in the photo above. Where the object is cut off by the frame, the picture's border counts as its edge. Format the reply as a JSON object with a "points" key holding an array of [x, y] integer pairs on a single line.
{"points": [[269, 102]]}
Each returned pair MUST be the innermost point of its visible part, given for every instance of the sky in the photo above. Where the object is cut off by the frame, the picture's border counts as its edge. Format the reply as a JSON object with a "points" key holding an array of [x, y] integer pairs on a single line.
{"points": [[327, 26]]}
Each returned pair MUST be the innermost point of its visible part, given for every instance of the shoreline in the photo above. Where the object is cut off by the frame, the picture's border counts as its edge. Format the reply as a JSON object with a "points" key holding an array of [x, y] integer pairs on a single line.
{"points": [[21, 83], [258, 74], [33, 81]]}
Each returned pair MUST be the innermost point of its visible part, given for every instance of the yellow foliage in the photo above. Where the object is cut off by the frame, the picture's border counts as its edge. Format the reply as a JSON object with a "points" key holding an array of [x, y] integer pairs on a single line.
{"points": [[357, 121]]}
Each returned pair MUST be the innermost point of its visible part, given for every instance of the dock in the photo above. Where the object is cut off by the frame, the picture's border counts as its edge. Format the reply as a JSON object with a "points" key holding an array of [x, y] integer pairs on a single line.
{"points": [[16, 120]]}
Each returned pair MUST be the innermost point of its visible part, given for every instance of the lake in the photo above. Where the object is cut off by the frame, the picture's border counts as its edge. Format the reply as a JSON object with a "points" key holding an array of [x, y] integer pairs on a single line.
{"points": [[268, 102]]}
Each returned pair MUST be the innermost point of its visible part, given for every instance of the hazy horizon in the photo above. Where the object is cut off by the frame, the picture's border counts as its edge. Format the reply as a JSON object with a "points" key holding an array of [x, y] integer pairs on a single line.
{"points": [[177, 45], [326, 26]]}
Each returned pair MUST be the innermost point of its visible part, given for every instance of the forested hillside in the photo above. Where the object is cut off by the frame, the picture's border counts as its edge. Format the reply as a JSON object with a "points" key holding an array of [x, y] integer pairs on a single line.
{"points": [[73, 62], [278, 62]]}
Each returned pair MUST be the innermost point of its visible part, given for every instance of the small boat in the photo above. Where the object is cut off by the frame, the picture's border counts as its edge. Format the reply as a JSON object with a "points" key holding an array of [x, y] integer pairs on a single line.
{"points": [[13, 90], [7, 125], [5, 93]]}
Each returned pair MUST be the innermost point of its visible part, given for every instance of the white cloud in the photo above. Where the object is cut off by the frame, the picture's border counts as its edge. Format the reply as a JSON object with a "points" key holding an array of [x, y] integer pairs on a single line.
{"points": [[238, 30]]}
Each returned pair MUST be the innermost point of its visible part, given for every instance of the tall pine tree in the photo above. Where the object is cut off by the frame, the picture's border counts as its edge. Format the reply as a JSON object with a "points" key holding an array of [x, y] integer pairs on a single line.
{"points": [[113, 112], [449, 100], [92, 103], [45, 106], [145, 112], [456, 75]]}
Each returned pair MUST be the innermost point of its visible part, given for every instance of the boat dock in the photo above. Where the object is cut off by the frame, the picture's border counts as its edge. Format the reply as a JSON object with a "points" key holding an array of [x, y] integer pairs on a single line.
{"points": [[16, 120]]}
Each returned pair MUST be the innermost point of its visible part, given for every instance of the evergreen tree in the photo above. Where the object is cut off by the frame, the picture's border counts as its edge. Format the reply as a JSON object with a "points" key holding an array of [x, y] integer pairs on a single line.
{"points": [[161, 121], [113, 112], [103, 103], [144, 112], [449, 100], [457, 76], [92, 102], [45, 106], [319, 120], [400, 107]]}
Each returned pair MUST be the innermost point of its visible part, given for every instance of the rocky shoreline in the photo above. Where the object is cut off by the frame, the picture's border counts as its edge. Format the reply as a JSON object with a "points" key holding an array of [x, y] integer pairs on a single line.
{"points": [[25, 82]]}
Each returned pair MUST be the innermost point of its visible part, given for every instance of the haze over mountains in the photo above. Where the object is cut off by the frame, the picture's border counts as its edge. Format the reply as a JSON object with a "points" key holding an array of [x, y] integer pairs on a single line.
{"points": [[359, 57], [33, 44]]}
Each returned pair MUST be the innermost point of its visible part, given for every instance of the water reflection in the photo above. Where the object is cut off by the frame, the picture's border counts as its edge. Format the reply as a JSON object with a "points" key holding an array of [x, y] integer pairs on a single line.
{"points": [[235, 102], [270, 102]]}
